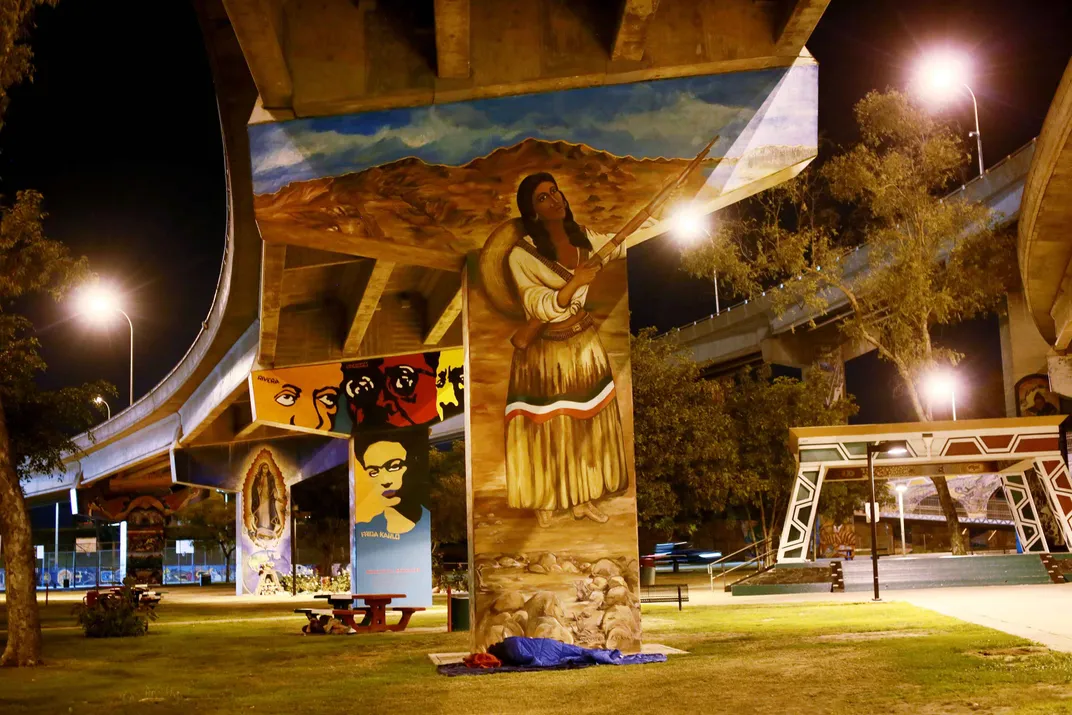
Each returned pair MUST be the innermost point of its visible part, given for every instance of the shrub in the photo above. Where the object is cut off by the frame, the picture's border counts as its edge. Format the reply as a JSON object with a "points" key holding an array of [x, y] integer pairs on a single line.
{"points": [[115, 615], [311, 583]]}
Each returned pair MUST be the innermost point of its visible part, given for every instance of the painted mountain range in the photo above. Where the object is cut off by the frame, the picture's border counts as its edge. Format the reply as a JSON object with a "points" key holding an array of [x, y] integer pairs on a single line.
{"points": [[456, 207]]}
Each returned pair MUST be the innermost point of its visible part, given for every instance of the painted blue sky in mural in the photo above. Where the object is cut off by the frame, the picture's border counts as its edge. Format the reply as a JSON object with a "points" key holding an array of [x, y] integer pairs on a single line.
{"points": [[674, 117]]}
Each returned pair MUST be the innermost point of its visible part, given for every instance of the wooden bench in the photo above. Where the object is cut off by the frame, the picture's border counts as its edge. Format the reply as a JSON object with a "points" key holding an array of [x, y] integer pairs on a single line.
{"points": [[666, 593]]}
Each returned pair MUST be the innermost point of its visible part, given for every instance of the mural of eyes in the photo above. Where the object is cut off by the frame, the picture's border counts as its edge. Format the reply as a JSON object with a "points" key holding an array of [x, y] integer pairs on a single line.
{"points": [[361, 386], [288, 395], [395, 465], [328, 397], [402, 379]]}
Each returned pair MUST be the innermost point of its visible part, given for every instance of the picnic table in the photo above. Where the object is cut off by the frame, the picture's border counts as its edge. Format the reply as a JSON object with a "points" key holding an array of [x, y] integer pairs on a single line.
{"points": [[373, 613], [337, 600], [145, 595]]}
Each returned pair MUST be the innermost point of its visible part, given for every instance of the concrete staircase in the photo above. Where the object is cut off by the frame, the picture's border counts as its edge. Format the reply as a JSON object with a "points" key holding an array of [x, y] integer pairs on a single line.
{"points": [[943, 572]]}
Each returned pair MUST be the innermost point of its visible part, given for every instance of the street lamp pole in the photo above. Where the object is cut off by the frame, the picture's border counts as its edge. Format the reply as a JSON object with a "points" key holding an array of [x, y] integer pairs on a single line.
{"points": [[101, 401], [896, 447], [900, 507], [871, 449], [977, 134], [131, 324], [717, 310]]}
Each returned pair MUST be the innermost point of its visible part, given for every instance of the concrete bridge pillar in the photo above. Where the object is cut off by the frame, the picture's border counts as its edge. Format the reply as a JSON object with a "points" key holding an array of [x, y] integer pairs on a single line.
{"points": [[1024, 355]]}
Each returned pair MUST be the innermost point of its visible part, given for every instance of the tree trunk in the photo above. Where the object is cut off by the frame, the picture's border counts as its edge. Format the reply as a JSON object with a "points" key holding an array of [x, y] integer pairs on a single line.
{"points": [[23, 623], [949, 507], [226, 561]]}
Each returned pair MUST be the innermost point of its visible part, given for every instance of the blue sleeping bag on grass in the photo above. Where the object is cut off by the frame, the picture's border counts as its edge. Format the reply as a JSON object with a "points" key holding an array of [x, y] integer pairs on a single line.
{"points": [[549, 653]]}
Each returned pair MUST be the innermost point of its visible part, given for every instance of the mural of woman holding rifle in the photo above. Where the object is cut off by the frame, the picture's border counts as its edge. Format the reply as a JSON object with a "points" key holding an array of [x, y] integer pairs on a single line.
{"points": [[565, 448]]}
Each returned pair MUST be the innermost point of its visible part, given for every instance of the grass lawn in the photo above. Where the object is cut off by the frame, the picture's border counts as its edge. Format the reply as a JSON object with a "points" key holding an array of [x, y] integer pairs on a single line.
{"points": [[815, 658]]}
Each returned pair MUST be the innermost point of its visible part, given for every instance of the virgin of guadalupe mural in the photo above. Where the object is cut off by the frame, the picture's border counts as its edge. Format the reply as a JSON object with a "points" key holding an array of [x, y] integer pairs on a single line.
{"points": [[1034, 398], [265, 501]]}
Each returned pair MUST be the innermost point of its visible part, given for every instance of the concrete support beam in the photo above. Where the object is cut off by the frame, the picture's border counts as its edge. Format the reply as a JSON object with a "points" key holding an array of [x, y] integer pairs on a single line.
{"points": [[377, 247], [1061, 312], [259, 27], [452, 38], [796, 27], [632, 33], [443, 306], [365, 307], [273, 259]]}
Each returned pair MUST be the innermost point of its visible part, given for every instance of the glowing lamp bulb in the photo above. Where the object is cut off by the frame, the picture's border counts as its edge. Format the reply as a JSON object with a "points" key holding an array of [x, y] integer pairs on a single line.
{"points": [[897, 451], [942, 74], [98, 303], [98, 400], [901, 488], [688, 223], [940, 386]]}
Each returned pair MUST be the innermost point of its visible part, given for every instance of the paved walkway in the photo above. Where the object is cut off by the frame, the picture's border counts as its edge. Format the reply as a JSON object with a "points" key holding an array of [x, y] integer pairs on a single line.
{"points": [[1041, 613]]}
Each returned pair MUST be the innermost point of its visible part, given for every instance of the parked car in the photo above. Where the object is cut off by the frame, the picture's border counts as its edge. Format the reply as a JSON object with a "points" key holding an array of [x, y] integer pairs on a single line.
{"points": [[678, 552]]}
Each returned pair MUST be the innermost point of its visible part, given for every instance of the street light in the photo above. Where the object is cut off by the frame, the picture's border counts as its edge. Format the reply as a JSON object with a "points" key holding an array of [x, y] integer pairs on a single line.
{"points": [[98, 400], [940, 75], [901, 489], [894, 448], [689, 224], [941, 385], [99, 303]]}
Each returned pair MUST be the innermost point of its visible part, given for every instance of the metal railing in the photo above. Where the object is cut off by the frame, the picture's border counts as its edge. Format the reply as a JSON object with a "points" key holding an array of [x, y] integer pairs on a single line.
{"points": [[722, 561]]}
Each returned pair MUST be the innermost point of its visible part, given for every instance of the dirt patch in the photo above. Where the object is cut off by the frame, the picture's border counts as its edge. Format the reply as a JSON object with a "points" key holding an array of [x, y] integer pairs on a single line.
{"points": [[1009, 654], [871, 636], [791, 575]]}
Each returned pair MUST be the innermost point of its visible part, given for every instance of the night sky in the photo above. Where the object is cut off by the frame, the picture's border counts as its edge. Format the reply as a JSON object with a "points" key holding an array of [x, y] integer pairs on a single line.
{"points": [[119, 131]]}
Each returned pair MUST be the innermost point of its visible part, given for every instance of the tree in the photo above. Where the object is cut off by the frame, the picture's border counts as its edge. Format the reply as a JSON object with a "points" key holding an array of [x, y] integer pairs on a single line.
{"points": [[329, 535], [446, 471], [762, 411], [929, 261], [211, 522], [35, 426], [686, 457]]}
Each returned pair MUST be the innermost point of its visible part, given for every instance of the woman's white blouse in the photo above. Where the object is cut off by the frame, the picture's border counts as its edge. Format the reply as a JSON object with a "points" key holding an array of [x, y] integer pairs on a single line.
{"points": [[539, 286]]}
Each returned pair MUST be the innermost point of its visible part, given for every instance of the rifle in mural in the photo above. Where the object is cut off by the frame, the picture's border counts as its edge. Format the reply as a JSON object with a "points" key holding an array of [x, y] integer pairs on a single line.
{"points": [[532, 329]]}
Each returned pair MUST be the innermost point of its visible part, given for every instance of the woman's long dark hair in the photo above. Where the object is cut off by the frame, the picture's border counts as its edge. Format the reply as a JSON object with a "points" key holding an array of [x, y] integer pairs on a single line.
{"points": [[535, 228]]}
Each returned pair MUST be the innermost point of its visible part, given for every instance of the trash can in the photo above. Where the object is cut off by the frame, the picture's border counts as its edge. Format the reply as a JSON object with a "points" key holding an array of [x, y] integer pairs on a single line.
{"points": [[66, 582], [459, 612], [206, 579], [647, 571]]}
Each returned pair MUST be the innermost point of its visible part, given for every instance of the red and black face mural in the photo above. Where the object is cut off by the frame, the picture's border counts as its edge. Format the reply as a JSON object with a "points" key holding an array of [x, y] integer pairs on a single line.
{"points": [[392, 392]]}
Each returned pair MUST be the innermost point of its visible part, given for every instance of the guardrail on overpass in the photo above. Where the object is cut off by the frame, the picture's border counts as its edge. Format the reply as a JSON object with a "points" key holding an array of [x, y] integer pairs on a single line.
{"points": [[742, 333]]}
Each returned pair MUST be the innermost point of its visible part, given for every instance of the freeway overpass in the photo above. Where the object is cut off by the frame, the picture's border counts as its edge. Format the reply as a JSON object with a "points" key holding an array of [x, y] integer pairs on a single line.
{"points": [[750, 331], [376, 160]]}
